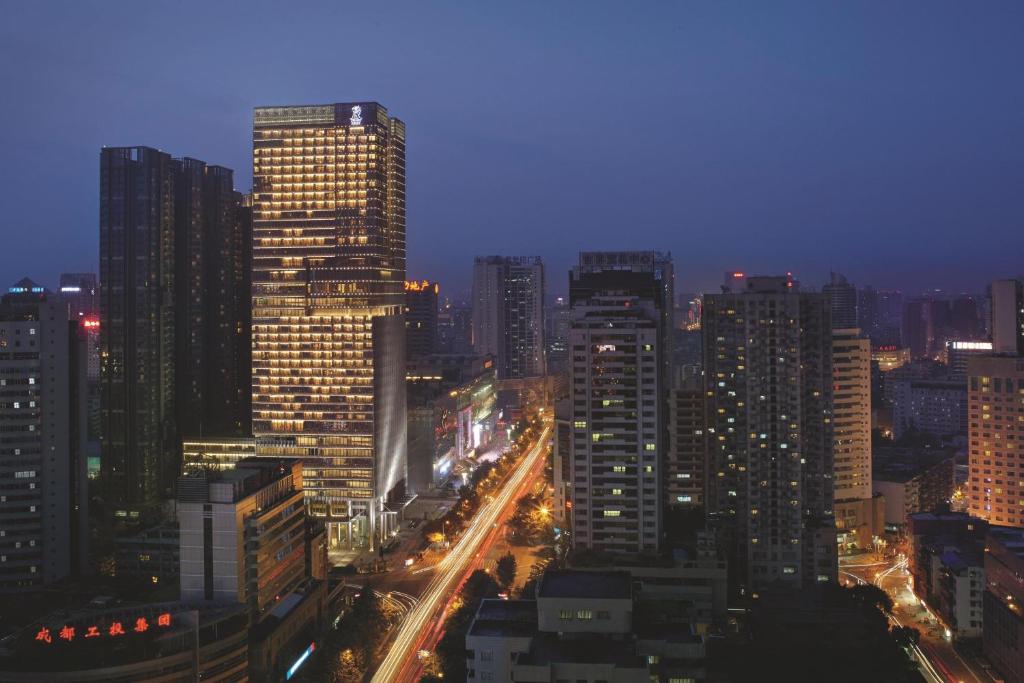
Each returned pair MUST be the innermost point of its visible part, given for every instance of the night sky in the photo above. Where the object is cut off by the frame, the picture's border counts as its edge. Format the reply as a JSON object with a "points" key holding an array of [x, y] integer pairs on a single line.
{"points": [[883, 140]]}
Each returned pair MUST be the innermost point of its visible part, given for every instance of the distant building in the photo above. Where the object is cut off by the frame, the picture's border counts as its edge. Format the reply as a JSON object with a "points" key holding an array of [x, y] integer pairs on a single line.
{"points": [[420, 318], [455, 328], [880, 313], [932, 406], [245, 538], [1003, 629], [959, 351], [562, 464], [768, 362], [556, 336], [618, 388], [80, 291], [43, 433], [508, 314], [842, 298], [890, 357], [912, 480], [996, 408], [1007, 311]]}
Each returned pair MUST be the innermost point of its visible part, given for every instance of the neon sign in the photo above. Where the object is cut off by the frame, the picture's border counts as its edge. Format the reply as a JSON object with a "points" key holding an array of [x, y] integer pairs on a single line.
{"points": [[357, 116], [422, 286], [115, 629]]}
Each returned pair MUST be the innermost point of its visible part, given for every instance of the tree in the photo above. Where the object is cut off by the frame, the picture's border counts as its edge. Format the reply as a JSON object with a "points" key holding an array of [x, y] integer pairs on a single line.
{"points": [[506, 570], [905, 636], [367, 621], [868, 594]]}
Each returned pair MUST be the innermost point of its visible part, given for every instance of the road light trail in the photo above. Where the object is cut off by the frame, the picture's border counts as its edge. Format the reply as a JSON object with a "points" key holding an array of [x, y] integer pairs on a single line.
{"points": [[451, 568], [924, 664]]}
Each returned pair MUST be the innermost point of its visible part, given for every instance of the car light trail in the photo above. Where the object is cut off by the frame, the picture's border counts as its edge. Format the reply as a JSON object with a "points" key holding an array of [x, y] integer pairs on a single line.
{"points": [[449, 571]]}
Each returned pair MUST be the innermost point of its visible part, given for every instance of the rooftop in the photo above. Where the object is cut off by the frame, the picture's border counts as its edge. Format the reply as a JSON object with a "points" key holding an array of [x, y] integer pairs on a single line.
{"points": [[496, 617], [550, 648], [570, 583]]}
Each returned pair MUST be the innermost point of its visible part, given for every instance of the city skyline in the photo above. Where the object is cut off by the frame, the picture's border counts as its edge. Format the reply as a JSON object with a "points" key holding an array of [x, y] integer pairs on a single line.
{"points": [[791, 149]]}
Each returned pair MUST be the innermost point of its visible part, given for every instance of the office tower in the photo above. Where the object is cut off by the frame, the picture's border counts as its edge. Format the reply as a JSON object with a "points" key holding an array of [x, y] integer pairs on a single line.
{"points": [[455, 328], [174, 243], [917, 331], [245, 539], [1007, 311], [508, 313], [556, 335], [618, 389], [43, 513], [328, 298], [420, 318], [842, 298], [851, 414], [213, 241], [768, 378], [686, 456], [995, 462], [81, 294]]}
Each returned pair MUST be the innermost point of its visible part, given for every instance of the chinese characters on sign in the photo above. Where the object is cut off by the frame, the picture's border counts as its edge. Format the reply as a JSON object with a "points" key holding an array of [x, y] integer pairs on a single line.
{"points": [[115, 629]]}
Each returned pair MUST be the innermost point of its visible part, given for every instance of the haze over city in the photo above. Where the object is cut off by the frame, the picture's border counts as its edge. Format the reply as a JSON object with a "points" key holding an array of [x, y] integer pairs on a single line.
{"points": [[878, 140]]}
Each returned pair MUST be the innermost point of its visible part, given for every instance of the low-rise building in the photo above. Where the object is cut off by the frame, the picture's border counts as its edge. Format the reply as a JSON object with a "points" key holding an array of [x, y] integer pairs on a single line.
{"points": [[588, 625], [1003, 631], [245, 538], [167, 642], [947, 565], [150, 555], [912, 480]]}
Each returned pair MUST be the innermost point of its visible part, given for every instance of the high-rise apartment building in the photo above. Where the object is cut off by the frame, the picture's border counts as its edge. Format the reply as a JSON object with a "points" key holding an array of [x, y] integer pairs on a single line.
{"points": [[556, 336], [328, 297], [995, 461], [508, 314], [768, 378], [842, 298], [687, 452], [421, 318], [174, 244], [851, 414], [213, 243], [618, 392], [1007, 311], [43, 529]]}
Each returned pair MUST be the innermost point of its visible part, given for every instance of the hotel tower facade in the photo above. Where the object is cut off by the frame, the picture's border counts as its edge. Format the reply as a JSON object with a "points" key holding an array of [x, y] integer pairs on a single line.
{"points": [[328, 294]]}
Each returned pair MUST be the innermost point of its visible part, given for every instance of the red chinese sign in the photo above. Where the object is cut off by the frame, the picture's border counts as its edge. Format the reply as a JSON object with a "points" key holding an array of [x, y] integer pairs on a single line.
{"points": [[116, 628]]}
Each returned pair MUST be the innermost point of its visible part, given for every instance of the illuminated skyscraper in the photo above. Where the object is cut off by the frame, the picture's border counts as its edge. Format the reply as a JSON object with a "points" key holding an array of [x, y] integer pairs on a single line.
{"points": [[328, 296], [1007, 316]]}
